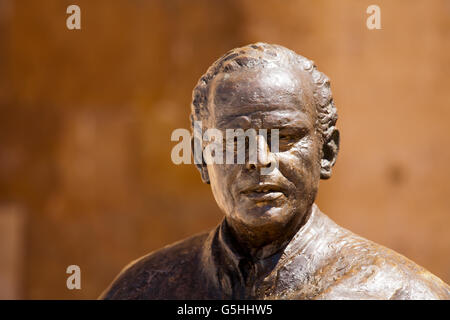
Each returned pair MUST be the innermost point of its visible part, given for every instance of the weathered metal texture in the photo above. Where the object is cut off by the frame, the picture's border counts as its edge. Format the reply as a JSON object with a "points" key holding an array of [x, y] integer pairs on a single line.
{"points": [[274, 243]]}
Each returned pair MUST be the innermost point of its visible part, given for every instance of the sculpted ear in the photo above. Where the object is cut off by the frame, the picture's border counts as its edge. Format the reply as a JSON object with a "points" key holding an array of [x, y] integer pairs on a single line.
{"points": [[200, 164], [330, 151]]}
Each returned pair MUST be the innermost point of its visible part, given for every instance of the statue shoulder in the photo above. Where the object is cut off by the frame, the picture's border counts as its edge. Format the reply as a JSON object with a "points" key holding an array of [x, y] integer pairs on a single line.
{"points": [[407, 280], [369, 270], [149, 276]]}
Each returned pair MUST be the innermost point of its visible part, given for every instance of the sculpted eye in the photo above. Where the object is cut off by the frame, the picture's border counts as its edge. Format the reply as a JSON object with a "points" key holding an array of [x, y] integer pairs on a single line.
{"points": [[288, 139]]}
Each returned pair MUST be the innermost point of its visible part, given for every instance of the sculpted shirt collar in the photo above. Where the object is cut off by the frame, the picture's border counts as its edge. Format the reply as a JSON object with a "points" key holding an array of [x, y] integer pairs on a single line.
{"points": [[236, 276]]}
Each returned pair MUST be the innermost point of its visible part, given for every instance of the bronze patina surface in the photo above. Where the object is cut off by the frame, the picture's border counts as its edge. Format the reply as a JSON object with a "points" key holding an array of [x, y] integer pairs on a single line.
{"points": [[274, 242]]}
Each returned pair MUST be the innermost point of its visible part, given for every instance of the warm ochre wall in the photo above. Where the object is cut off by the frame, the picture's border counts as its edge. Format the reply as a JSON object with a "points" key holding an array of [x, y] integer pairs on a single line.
{"points": [[86, 118]]}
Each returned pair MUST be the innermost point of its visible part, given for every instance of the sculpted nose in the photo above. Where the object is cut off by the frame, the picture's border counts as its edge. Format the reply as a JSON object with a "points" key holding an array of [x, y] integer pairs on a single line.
{"points": [[263, 156]]}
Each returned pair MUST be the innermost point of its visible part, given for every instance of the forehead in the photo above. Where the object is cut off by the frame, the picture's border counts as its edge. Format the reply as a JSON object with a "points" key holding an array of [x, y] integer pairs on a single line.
{"points": [[269, 97]]}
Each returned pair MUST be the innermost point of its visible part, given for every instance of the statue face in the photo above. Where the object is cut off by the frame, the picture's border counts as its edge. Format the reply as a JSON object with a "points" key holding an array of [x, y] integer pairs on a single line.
{"points": [[267, 99]]}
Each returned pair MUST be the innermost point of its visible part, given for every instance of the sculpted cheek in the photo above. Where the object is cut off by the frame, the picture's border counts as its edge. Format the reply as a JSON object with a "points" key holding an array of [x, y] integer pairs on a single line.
{"points": [[217, 179], [221, 177], [301, 163], [292, 169], [306, 153]]}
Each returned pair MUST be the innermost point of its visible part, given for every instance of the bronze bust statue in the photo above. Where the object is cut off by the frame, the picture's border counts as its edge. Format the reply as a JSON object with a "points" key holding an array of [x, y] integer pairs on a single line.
{"points": [[274, 242]]}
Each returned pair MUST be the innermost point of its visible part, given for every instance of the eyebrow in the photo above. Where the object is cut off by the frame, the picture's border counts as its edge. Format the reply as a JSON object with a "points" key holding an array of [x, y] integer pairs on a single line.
{"points": [[295, 125], [231, 121], [293, 130], [290, 128]]}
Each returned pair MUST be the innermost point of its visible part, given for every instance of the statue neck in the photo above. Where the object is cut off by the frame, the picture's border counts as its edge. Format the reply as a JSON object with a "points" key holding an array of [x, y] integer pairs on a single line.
{"points": [[259, 244]]}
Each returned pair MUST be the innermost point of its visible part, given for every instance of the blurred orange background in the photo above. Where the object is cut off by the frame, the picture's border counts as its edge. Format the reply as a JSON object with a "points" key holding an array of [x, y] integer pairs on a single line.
{"points": [[86, 116]]}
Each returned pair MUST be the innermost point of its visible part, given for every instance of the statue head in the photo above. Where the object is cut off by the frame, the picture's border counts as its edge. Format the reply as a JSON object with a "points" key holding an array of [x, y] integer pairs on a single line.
{"points": [[263, 86]]}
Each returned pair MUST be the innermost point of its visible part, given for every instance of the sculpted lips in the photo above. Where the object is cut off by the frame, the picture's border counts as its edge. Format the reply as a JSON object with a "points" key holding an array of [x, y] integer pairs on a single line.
{"points": [[264, 192]]}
